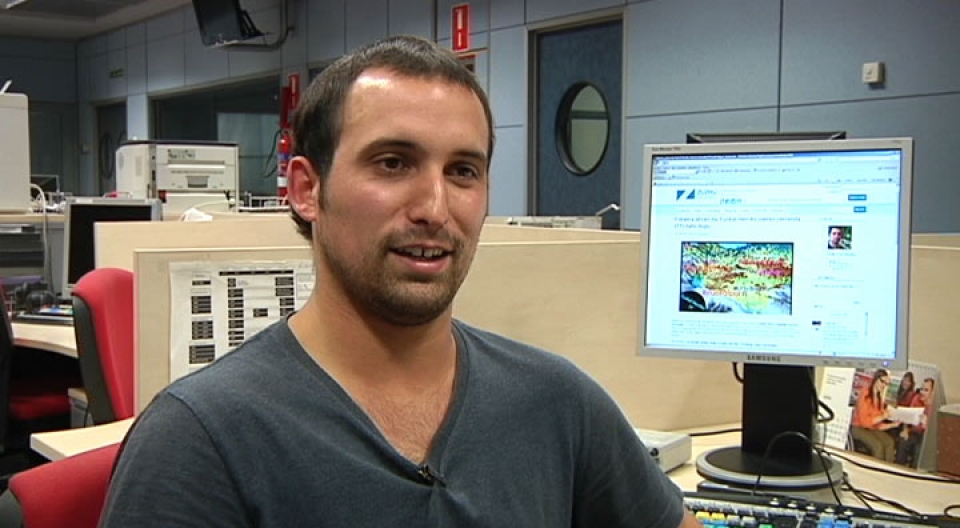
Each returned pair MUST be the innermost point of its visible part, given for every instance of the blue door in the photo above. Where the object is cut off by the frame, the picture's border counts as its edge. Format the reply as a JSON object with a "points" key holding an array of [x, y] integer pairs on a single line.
{"points": [[579, 80]]}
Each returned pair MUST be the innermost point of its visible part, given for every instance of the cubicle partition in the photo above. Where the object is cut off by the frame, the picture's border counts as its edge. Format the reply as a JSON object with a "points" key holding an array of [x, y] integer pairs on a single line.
{"points": [[934, 330], [115, 241], [574, 292], [578, 299]]}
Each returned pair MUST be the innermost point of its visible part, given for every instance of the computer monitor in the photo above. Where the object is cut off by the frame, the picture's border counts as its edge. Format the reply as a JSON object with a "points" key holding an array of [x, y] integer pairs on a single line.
{"points": [[783, 256], [80, 215], [223, 22], [742, 137]]}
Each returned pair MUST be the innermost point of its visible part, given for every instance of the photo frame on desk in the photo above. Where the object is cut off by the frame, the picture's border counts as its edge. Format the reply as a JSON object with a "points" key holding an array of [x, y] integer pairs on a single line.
{"points": [[885, 414]]}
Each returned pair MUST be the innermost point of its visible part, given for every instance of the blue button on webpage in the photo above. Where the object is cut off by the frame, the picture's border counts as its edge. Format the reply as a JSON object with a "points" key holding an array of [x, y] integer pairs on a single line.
{"points": [[856, 197], [860, 209]]}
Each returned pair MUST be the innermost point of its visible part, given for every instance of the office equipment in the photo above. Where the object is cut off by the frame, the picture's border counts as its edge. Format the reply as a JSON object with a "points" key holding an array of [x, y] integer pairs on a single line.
{"points": [[14, 153], [669, 450], [223, 22], [579, 222], [103, 321], [21, 250], [742, 137], [745, 510], [782, 256], [79, 242], [180, 174], [68, 492]]}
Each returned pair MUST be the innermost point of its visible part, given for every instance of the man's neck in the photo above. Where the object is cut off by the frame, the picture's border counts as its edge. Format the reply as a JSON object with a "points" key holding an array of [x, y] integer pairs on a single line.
{"points": [[361, 348]]}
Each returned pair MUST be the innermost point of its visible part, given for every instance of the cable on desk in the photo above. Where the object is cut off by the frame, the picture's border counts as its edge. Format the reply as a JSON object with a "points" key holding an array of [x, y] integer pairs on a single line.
{"points": [[816, 449], [870, 496], [925, 478], [716, 432], [848, 486], [947, 511]]}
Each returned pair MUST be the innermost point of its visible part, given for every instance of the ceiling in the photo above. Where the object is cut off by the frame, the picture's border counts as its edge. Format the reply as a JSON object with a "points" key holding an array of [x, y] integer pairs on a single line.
{"points": [[76, 19]]}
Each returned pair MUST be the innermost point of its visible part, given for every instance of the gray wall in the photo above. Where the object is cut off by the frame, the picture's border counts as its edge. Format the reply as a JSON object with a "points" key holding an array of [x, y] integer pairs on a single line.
{"points": [[730, 65], [46, 71]]}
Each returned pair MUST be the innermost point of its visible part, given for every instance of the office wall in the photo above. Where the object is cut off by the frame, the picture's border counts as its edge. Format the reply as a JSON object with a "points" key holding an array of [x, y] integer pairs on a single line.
{"points": [[46, 71], [738, 65]]}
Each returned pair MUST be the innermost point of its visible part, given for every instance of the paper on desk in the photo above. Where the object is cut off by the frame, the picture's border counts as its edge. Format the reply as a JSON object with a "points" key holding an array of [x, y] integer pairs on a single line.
{"points": [[215, 306]]}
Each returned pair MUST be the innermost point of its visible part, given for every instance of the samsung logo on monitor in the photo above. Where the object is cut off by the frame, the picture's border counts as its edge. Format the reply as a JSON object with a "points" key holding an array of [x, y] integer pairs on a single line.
{"points": [[766, 358]]}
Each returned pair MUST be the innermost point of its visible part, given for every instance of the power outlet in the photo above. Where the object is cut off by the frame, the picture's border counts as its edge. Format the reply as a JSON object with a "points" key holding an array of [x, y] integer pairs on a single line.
{"points": [[872, 72]]}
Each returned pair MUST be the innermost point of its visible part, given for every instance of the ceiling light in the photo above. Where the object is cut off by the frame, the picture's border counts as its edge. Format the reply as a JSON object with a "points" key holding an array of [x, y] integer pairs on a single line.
{"points": [[13, 3]]}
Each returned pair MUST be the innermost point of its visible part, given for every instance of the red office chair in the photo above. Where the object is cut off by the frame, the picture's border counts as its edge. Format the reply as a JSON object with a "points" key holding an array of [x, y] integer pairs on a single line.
{"points": [[33, 392], [67, 492], [103, 321]]}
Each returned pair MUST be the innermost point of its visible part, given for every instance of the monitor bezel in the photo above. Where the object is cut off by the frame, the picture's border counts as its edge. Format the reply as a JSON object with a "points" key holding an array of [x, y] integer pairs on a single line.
{"points": [[156, 213], [904, 144]]}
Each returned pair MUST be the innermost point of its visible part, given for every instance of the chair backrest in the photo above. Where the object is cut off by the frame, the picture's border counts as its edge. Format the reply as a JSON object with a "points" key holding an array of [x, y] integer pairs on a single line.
{"points": [[103, 322], [6, 364], [67, 492]]}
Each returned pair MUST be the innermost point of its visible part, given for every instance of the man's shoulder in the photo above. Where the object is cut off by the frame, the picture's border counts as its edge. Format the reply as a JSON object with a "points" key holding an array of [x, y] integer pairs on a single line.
{"points": [[264, 355]]}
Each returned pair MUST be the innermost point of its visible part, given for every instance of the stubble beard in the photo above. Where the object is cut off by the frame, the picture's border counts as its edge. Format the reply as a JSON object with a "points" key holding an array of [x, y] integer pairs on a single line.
{"points": [[379, 291]]}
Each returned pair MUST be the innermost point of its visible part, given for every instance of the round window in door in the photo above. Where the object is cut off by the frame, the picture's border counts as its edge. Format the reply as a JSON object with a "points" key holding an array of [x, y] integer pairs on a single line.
{"points": [[583, 128]]}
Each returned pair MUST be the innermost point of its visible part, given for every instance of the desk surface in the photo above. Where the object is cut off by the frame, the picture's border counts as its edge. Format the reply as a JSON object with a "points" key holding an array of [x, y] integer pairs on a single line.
{"points": [[923, 496], [52, 337], [55, 445]]}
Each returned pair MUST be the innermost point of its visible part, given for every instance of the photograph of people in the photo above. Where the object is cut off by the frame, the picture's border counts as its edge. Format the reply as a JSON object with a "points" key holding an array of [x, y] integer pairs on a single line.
{"points": [[872, 427], [911, 436], [372, 405], [907, 393], [840, 237]]}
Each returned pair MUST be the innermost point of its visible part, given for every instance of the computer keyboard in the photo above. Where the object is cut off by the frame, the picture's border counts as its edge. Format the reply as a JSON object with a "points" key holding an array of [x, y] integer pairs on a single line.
{"points": [[755, 511]]}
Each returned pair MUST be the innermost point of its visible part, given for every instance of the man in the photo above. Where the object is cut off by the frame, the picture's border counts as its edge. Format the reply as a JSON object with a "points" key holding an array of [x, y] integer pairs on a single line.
{"points": [[836, 240], [371, 406]]}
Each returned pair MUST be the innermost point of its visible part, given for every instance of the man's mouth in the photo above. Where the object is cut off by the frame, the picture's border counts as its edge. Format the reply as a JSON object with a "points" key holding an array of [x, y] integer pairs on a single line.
{"points": [[422, 253]]}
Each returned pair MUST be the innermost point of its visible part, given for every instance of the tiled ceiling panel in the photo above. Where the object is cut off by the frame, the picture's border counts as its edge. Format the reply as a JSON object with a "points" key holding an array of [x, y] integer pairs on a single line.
{"points": [[71, 8]]}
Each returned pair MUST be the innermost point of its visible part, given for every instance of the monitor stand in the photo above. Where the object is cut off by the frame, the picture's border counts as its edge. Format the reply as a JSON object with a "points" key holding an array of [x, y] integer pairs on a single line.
{"points": [[779, 405]]}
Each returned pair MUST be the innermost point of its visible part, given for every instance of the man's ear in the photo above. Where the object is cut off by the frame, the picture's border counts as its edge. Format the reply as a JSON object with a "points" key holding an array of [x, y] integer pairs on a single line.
{"points": [[303, 188]]}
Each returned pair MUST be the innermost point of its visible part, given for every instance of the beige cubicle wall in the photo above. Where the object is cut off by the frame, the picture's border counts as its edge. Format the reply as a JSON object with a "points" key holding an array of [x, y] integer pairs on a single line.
{"points": [[116, 241], [934, 331], [936, 239], [578, 299], [151, 268]]}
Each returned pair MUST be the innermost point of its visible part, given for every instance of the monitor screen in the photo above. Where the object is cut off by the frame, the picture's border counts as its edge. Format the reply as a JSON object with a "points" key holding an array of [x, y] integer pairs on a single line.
{"points": [[782, 256], [80, 215], [222, 22]]}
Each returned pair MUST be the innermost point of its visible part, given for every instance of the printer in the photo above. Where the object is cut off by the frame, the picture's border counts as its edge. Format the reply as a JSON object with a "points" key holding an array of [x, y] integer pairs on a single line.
{"points": [[182, 174], [14, 153]]}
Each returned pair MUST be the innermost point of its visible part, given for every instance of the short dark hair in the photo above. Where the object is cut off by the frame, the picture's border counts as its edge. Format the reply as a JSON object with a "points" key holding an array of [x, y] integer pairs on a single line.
{"points": [[318, 119]]}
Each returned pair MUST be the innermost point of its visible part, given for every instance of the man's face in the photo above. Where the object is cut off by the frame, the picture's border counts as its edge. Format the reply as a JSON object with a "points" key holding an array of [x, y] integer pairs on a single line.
{"points": [[835, 236], [401, 211]]}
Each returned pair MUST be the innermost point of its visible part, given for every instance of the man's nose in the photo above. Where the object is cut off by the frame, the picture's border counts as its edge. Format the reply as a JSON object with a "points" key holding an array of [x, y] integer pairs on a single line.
{"points": [[429, 199]]}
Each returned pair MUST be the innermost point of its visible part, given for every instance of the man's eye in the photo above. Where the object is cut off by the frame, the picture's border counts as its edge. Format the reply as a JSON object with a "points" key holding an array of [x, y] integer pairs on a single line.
{"points": [[392, 163], [466, 172]]}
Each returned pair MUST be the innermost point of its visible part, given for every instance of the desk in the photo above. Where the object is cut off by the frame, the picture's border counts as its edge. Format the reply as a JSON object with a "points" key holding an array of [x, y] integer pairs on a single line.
{"points": [[925, 497], [55, 445], [51, 337]]}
